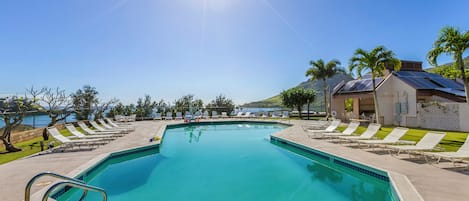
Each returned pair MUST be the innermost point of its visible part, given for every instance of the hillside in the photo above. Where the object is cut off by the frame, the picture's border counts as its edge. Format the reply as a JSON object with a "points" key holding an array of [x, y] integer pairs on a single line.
{"points": [[440, 69], [276, 101]]}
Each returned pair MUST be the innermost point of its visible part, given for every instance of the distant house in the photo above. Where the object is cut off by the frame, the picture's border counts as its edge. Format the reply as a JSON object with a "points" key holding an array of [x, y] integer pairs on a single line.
{"points": [[398, 92]]}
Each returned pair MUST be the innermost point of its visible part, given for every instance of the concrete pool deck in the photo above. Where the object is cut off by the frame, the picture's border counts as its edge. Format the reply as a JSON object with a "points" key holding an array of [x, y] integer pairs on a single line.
{"points": [[431, 182]]}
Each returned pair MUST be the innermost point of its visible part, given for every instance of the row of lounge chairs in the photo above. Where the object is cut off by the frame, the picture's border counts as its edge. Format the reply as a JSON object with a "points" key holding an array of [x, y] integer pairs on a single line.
{"points": [[123, 118], [215, 115], [392, 142], [102, 134]]}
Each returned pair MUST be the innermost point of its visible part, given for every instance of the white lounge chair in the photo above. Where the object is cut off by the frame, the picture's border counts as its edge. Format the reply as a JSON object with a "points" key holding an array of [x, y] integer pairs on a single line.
{"points": [[120, 124], [239, 115], [264, 115], [109, 127], [247, 115], [83, 126], [351, 128], [157, 116], [198, 115], [132, 117], [205, 115], [392, 138], [224, 115], [80, 135], [169, 116], [187, 116], [67, 143], [274, 115], [285, 114], [215, 115], [118, 128], [99, 128], [461, 154], [427, 143], [178, 116], [331, 128], [369, 133]]}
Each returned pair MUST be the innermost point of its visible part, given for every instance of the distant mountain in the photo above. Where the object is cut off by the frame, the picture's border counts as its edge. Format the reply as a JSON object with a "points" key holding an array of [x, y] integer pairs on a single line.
{"points": [[432, 69], [276, 101]]}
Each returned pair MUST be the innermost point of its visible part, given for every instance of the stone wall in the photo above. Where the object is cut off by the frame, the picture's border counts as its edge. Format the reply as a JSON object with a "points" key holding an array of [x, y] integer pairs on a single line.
{"points": [[28, 135], [443, 116]]}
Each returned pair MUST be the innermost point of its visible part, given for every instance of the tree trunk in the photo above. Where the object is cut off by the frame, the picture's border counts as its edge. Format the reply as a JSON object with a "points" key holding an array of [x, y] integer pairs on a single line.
{"points": [[324, 88], [45, 134], [53, 121], [7, 141], [299, 111], [375, 99], [308, 109], [463, 75]]}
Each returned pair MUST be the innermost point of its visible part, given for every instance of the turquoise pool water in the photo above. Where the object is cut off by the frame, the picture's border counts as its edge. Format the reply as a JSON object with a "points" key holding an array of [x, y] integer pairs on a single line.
{"points": [[229, 162]]}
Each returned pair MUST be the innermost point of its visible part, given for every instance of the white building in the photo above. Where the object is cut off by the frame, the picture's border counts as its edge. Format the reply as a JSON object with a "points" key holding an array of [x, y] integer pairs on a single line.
{"points": [[400, 95]]}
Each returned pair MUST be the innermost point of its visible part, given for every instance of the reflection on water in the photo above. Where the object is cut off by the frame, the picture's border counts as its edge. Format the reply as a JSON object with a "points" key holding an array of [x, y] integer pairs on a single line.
{"points": [[193, 132], [356, 186], [324, 173]]}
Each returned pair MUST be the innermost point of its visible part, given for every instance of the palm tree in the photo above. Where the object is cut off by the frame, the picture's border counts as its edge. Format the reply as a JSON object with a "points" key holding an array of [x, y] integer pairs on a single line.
{"points": [[451, 41], [321, 71], [373, 61]]}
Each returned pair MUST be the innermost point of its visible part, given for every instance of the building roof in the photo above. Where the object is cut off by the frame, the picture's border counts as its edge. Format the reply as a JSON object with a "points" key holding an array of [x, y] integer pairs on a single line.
{"points": [[430, 81], [419, 80], [357, 86]]}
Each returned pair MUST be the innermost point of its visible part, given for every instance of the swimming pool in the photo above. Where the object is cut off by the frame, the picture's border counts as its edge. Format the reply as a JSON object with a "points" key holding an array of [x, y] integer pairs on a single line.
{"points": [[229, 161]]}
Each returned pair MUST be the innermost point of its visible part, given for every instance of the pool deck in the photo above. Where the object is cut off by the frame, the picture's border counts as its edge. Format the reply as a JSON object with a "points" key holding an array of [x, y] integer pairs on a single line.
{"points": [[432, 183]]}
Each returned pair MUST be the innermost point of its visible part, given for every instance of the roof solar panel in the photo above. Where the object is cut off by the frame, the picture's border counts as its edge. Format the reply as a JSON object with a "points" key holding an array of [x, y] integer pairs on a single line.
{"points": [[448, 83], [359, 85], [420, 83], [415, 74]]}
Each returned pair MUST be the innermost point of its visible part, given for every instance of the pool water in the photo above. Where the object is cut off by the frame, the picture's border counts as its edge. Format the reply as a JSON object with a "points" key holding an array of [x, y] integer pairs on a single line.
{"points": [[228, 162]]}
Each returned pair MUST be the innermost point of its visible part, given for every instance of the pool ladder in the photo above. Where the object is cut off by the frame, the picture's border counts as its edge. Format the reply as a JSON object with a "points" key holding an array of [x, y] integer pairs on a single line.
{"points": [[69, 182]]}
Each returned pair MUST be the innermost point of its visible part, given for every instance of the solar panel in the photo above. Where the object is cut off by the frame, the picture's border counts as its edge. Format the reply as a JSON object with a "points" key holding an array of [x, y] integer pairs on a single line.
{"points": [[415, 74], [359, 85], [451, 91], [448, 83], [420, 83]]}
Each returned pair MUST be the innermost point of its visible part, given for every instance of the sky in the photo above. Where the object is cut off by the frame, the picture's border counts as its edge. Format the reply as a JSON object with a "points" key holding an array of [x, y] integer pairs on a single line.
{"points": [[245, 49]]}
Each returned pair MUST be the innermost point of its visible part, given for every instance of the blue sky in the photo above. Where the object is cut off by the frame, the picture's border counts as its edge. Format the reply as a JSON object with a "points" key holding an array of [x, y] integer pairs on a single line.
{"points": [[245, 49]]}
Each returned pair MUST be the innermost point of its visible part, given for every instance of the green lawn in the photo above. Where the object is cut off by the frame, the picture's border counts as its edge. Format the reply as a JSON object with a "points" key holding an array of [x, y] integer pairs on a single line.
{"points": [[29, 147], [451, 142]]}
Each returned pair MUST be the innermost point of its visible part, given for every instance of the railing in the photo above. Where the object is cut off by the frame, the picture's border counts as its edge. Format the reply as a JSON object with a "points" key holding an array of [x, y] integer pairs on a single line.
{"points": [[72, 182], [83, 186]]}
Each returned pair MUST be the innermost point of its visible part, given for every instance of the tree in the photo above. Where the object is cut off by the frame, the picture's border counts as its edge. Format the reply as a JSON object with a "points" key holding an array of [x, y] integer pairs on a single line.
{"points": [[13, 111], [321, 71], [221, 104], [145, 107], [374, 61], [57, 104], [310, 95], [297, 97], [186, 102], [453, 42], [83, 101], [101, 107]]}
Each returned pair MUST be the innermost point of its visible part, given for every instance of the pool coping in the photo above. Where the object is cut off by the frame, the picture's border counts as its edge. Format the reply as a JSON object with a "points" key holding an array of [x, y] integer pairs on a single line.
{"points": [[400, 183]]}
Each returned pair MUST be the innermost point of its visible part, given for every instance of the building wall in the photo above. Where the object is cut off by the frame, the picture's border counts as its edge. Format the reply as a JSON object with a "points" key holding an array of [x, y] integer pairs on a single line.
{"points": [[443, 116]]}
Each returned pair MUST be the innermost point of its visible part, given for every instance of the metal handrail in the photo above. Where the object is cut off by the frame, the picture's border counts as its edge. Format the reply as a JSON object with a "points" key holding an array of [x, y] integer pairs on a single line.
{"points": [[76, 185], [27, 191]]}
